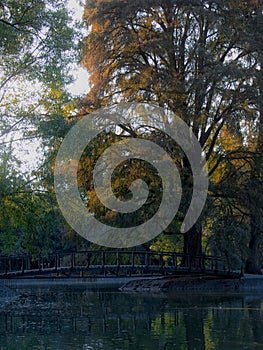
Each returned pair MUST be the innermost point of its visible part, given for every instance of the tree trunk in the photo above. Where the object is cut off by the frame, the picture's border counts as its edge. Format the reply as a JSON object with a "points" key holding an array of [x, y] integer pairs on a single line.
{"points": [[194, 329], [192, 246], [252, 263], [256, 224], [254, 313]]}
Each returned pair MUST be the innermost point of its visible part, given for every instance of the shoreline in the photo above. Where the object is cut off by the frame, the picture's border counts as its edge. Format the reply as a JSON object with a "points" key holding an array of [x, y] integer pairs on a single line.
{"points": [[153, 284], [196, 284], [89, 282]]}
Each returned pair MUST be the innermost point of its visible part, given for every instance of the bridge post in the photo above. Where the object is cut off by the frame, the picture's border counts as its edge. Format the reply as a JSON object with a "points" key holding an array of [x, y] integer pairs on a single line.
{"points": [[28, 263], [118, 263], [103, 259], [103, 263], [146, 262], [242, 268], [72, 261], [88, 259], [57, 262], [161, 262], [6, 266], [10, 264], [189, 262], [174, 260], [216, 267], [39, 262], [203, 263], [23, 266]]}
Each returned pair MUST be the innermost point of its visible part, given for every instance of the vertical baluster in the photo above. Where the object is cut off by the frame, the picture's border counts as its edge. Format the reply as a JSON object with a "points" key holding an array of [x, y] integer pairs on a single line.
{"points": [[72, 261], [118, 263], [103, 263], [23, 266]]}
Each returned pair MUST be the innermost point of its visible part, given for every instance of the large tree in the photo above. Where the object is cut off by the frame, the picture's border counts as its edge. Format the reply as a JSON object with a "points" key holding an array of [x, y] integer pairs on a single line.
{"points": [[190, 57], [255, 32]]}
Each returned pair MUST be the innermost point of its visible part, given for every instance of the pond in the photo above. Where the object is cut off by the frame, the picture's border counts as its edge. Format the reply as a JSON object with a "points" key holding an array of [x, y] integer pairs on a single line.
{"points": [[78, 317]]}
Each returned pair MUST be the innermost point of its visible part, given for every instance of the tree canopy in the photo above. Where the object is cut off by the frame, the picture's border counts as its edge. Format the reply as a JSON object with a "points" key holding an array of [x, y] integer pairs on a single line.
{"points": [[200, 59]]}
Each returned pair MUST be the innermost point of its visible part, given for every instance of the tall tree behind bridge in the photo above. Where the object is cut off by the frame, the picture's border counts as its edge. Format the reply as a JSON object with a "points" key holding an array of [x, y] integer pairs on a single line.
{"points": [[187, 56], [256, 175]]}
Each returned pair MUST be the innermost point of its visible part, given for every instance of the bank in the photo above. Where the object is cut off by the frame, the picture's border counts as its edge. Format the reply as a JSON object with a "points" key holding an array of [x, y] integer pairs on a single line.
{"points": [[196, 283]]}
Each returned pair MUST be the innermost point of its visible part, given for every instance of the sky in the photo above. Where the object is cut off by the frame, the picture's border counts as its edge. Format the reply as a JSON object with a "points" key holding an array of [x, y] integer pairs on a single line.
{"points": [[80, 84]]}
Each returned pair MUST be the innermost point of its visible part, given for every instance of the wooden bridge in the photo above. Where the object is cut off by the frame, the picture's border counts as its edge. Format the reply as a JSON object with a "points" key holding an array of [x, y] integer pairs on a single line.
{"points": [[102, 263]]}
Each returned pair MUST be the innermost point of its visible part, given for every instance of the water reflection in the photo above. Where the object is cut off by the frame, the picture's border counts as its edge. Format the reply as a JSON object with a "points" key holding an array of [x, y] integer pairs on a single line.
{"points": [[77, 318]]}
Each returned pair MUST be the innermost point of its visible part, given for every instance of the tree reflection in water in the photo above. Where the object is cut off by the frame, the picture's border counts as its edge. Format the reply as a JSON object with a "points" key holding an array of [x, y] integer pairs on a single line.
{"points": [[78, 318]]}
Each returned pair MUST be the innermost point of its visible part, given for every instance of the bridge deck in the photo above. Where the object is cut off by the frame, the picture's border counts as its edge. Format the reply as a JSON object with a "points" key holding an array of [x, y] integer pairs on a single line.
{"points": [[111, 263]]}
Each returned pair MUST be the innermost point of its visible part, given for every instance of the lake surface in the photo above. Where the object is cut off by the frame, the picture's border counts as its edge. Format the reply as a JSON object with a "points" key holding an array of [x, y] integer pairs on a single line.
{"points": [[80, 318]]}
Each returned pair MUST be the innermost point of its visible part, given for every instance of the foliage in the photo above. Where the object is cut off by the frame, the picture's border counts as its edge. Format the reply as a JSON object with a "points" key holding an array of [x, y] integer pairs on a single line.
{"points": [[38, 44], [200, 59], [28, 221]]}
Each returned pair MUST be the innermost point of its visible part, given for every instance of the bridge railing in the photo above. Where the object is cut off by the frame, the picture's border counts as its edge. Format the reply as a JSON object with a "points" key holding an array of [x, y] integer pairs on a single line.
{"points": [[112, 259]]}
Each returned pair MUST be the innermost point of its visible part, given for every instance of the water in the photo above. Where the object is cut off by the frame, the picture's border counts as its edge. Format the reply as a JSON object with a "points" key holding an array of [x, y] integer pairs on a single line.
{"points": [[79, 318]]}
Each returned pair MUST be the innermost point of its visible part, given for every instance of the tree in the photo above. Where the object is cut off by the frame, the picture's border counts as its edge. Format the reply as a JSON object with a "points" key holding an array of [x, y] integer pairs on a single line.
{"points": [[38, 44], [256, 174], [188, 56], [28, 221]]}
